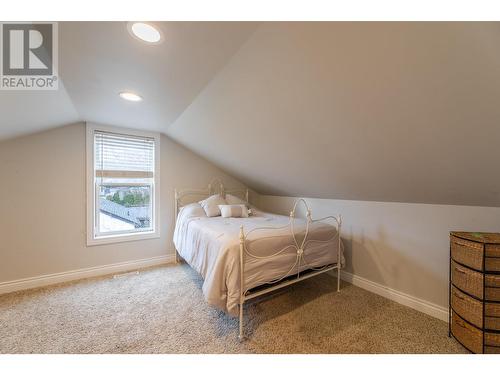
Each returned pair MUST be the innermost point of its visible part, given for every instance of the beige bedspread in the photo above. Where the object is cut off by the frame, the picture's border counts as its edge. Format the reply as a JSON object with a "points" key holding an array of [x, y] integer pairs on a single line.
{"points": [[211, 247]]}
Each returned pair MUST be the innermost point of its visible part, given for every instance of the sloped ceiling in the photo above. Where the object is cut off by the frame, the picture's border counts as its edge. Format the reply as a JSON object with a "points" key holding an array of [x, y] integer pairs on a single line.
{"points": [[101, 59], [97, 60], [405, 112]]}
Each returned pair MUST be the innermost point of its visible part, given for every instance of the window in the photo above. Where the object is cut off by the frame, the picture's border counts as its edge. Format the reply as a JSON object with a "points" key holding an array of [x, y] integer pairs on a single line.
{"points": [[122, 184]]}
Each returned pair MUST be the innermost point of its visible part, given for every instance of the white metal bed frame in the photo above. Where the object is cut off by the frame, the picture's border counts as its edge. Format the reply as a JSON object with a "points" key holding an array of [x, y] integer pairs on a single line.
{"points": [[291, 277]]}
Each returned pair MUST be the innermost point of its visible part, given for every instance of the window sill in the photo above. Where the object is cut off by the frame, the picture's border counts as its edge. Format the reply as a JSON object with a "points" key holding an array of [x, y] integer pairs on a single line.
{"points": [[121, 238]]}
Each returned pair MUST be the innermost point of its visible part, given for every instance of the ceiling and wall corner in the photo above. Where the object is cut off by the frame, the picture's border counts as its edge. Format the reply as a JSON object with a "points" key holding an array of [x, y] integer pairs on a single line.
{"points": [[98, 60], [394, 111], [26, 112], [101, 59], [403, 112]]}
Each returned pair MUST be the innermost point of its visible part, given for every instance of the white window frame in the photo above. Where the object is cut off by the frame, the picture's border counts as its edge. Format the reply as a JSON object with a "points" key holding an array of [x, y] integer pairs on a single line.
{"points": [[92, 239]]}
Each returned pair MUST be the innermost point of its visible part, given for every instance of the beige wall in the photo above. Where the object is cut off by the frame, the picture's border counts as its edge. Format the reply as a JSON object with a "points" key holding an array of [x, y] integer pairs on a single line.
{"points": [[403, 246], [42, 221], [42, 204]]}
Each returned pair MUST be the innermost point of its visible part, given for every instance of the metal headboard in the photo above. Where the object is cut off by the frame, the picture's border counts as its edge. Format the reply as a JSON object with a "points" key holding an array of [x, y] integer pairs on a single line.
{"points": [[214, 187]]}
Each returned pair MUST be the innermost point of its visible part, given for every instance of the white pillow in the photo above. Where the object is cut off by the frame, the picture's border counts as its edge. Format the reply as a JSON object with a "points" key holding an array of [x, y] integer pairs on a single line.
{"points": [[193, 210], [232, 199], [211, 205], [234, 210]]}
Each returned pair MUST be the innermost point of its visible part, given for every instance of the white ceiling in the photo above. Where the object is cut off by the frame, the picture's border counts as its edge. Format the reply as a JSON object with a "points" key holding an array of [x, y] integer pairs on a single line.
{"points": [[97, 60], [402, 112]]}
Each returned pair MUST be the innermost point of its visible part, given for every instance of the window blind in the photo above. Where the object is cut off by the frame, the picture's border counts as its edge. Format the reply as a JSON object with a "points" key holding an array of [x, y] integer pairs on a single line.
{"points": [[123, 156]]}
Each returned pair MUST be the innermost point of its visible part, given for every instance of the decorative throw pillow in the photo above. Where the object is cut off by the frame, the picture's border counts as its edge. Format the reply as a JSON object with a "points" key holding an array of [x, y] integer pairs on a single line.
{"points": [[234, 210], [233, 199], [193, 210], [211, 205]]}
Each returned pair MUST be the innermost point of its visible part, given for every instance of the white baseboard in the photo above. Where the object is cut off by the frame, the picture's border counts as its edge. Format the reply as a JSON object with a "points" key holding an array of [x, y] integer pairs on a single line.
{"points": [[44, 280], [418, 304], [83, 273]]}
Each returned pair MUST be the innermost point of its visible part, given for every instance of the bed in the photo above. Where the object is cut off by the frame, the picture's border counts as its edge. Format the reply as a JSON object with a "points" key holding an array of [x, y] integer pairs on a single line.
{"points": [[243, 258]]}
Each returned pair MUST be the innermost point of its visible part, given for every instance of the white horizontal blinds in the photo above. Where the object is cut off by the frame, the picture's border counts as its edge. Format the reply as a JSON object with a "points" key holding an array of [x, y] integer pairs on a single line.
{"points": [[123, 156]]}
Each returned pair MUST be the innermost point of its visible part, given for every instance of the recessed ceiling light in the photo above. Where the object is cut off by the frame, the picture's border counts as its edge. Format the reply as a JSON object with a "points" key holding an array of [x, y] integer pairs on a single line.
{"points": [[145, 32], [130, 96]]}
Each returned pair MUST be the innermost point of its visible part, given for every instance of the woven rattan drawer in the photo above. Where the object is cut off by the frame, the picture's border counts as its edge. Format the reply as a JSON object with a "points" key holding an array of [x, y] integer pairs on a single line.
{"points": [[492, 315], [492, 290], [472, 337], [492, 342], [492, 349], [492, 260], [467, 280], [467, 307], [471, 310], [467, 252], [468, 335]]}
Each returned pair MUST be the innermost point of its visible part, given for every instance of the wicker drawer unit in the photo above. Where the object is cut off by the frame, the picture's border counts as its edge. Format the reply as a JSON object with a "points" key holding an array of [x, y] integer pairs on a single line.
{"points": [[475, 290]]}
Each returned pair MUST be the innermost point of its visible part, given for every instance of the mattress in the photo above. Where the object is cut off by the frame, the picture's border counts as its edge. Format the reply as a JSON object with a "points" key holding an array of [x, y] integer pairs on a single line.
{"points": [[211, 246]]}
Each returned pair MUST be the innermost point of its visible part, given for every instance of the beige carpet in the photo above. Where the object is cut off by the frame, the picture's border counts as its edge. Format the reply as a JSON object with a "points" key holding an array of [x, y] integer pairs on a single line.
{"points": [[162, 310]]}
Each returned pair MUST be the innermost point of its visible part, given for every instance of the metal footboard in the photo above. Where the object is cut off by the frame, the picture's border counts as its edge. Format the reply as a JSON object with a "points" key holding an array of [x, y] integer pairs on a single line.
{"points": [[300, 260]]}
